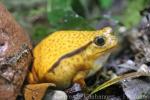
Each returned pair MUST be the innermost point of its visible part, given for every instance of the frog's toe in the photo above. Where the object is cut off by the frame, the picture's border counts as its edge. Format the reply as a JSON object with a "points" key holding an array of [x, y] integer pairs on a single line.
{"points": [[79, 78], [80, 81]]}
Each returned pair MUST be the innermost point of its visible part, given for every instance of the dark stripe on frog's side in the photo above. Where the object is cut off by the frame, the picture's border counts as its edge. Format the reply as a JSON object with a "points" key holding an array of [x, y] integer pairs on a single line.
{"points": [[68, 55]]}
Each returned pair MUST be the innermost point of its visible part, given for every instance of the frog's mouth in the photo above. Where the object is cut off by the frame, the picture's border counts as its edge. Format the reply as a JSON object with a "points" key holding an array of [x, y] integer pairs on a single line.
{"points": [[109, 50]]}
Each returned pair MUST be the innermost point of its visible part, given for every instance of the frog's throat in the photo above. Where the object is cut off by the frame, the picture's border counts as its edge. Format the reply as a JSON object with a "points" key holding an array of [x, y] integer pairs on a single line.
{"points": [[70, 54], [98, 64]]}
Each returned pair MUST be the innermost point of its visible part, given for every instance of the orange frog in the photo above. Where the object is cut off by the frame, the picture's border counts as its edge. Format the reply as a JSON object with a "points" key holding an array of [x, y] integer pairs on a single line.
{"points": [[66, 57]]}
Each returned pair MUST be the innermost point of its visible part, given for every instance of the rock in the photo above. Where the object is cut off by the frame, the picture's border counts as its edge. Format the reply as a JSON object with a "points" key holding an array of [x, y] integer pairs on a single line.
{"points": [[55, 95], [15, 55]]}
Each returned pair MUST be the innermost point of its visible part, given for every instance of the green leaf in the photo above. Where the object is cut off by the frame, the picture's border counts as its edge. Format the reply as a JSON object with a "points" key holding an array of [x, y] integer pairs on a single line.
{"points": [[57, 9], [74, 21], [131, 16], [39, 33], [105, 4], [78, 7], [62, 17]]}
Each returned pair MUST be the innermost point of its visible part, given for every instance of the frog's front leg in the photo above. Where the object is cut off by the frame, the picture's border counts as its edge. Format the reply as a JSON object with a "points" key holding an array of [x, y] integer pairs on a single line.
{"points": [[79, 78]]}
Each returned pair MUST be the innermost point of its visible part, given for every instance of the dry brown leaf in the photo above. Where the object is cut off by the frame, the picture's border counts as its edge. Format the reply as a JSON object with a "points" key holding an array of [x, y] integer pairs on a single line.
{"points": [[36, 91]]}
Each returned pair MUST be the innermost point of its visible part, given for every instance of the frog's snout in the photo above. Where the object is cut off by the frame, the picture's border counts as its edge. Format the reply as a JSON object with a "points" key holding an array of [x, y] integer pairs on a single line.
{"points": [[108, 30], [113, 41]]}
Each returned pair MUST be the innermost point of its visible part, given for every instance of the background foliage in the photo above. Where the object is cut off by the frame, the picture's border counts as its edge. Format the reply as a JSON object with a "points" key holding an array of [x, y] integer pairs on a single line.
{"points": [[41, 17]]}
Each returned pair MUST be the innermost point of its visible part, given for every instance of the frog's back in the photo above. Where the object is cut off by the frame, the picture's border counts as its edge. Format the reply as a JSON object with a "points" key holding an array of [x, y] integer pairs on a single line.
{"points": [[57, 45]]}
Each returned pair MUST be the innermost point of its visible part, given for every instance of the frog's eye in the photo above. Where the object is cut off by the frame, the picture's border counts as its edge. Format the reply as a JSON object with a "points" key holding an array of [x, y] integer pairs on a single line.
{"points": [[99, 41]]}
